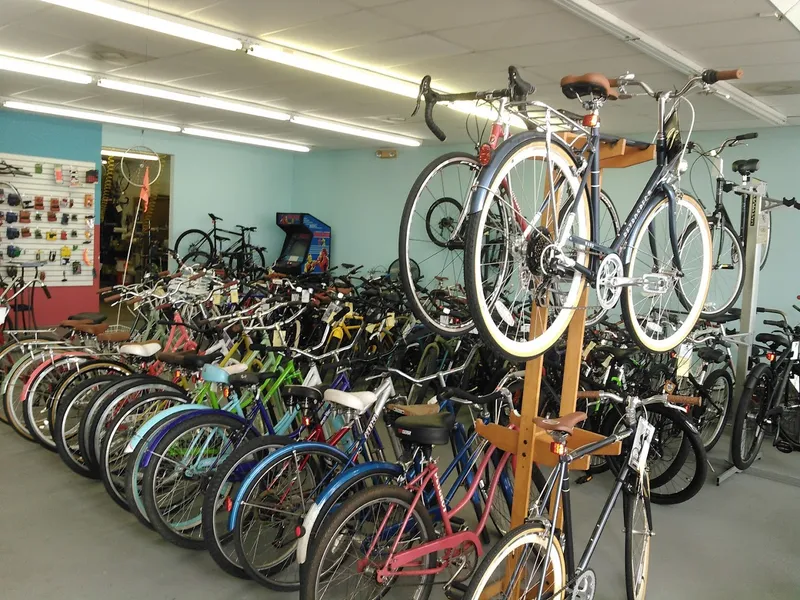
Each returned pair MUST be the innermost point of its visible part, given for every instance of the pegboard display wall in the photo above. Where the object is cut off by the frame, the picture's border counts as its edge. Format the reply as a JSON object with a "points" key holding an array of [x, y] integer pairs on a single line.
{"points": [[52, 220]]}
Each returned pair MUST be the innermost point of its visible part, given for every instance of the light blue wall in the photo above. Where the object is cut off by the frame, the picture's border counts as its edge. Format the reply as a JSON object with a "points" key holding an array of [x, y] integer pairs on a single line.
{"points": [[244, 185]]}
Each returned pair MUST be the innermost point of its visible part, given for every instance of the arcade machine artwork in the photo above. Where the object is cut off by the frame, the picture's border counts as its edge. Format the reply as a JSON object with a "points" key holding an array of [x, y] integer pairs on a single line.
{"points": [[307, 247]]}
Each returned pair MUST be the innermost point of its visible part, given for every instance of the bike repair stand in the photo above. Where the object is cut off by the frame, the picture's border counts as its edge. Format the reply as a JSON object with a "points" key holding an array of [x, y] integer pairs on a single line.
{"points": [[528, 443], [756, 207]]}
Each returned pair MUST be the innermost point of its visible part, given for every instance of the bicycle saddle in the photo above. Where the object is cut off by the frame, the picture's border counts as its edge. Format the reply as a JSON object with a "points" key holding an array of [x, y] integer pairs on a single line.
{"points": [[772, 338], [595, 85], [90, 329], [114, 337], [566, 423], [303, 391], [712, 355], [733, 314], [359, 401], [144, 350], [214, 217], [94, 317], [426, 430], [413, 410], [618, 353], [520, 89], [190, 360], [745, 166]]}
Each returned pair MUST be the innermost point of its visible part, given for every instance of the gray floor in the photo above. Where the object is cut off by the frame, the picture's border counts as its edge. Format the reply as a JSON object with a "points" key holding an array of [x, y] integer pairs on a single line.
{"points": [[62, 537]]}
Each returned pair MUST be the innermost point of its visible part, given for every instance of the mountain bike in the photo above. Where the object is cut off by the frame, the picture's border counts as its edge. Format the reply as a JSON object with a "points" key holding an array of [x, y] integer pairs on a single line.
{"points": [[769, 404], [242, 259], [729, 242], [661, 257]]}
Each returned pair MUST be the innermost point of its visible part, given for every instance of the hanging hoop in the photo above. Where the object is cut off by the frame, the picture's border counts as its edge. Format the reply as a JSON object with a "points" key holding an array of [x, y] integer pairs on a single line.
{"points": [[134, 162]]}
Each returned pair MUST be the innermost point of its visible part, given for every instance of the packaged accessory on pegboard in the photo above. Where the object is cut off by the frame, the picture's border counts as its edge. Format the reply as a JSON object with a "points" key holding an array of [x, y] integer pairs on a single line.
{"points": [[11, 217]]}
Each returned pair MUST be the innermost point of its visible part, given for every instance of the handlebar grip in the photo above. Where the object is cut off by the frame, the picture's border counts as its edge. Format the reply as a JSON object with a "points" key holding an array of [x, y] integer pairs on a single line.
{"points": [[110, 299], [450, 392], [165, 273], [691, 400], [614, 82], [196, 276], [746, 136], [774, 323], [711, 76], [46, 291], [589, 395], [761, 309], [105, 290], [163, 306], [133, 300]]}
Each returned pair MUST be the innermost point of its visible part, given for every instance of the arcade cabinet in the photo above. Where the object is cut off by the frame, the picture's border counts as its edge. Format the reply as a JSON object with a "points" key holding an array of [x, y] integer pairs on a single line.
{"points": [[307, 247]]}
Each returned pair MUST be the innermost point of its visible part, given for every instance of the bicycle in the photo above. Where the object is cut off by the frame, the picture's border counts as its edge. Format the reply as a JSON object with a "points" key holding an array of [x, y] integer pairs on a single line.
{"points": [[243, 259], [767, 405], [552, 254], [729, 242]]}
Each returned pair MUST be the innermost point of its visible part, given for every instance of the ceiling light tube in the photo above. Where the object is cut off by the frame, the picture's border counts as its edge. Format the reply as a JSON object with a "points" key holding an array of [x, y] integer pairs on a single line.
{"points": [[356, 131], [209, 101], [28, 67], [651, 46], [131, 155], [334, 68], [146, 19], [245, 139], [90, 116]]}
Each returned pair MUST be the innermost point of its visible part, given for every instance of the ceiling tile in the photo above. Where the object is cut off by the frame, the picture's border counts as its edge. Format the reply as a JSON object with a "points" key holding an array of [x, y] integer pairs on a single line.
{"points": [[166, 69], [401, 51], [639, 64], [340, 32], [741, 55], [55, 94], [560, 52], [257, 17], [372, 3], [766, 73], [647, 14], [14, 10], [743, 31], [425, 15], [176, 7]]}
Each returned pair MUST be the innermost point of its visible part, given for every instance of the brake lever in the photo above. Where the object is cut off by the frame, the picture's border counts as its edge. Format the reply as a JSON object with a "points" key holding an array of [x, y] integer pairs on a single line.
{"points": [[424, 87]]}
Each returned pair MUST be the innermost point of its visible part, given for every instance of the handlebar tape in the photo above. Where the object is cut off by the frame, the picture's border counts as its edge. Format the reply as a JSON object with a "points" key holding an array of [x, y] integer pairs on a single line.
{"points": [[430, 103]]}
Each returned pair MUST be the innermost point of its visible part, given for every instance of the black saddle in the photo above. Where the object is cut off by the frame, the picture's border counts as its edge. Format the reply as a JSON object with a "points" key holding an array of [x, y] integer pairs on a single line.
{"points": [[618, 353], [303, 391], [426, 430], [712, 355], [214, 217], [95, 317], [772, 338], [250, 378], [190, 360], [745, 166], [733, 314]]}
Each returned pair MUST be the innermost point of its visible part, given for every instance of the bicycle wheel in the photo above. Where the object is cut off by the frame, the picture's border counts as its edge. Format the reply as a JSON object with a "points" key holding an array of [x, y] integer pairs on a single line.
{"points": [[523, 552], [272, 504], [638, 535], [717, 394], [247, 265], [112, 458], [500, 509], [196, 259], [727, 270], [748, 423], [522, 306], [13, 384], [194, 240], [608, 229], [653, 311], [181, 465], [790, 415], [217, 501], [447, 181], [363, 532]]}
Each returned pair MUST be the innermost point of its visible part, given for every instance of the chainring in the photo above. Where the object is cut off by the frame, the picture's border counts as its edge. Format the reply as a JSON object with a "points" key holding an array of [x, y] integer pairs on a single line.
{"points": [[585, 586], [610, 268]]}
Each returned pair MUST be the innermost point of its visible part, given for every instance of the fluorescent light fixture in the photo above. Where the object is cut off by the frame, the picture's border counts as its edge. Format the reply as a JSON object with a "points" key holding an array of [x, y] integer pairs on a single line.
{"points": [[28, 67], [245, 139], [209, 101], [335, 68], [356, 131], [651, 46], [146, 19], [90, 116], [131, 155]]}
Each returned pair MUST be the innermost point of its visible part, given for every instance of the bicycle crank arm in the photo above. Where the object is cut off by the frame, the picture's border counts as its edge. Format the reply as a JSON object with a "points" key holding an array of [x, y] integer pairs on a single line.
{"points": [[651, 283]]}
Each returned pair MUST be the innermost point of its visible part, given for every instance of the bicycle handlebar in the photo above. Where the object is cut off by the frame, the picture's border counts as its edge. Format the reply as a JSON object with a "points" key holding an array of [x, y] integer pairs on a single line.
{"points": [[452, 393]]}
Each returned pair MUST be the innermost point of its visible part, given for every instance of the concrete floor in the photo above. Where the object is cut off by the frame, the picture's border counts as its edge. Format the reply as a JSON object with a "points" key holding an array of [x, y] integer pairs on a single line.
{"points": [[62, 537]]}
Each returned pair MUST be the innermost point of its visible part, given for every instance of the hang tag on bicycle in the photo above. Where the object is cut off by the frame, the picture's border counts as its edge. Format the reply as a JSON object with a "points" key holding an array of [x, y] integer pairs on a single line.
{"points": [[305, 296], [235, 295], [795, 350], [330, 312], [684, 360], [589, 347], [217, 298], [371, 327], [278, 338], [295, 296], [796, 382], [312, 378], [607, 361], [637, 459], [390, 320], [444, 318], [3, 314]]}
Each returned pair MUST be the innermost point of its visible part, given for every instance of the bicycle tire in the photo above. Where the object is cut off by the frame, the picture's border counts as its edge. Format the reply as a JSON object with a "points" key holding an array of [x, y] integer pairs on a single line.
{"points": [[357, 503], [709, 385], [215, 536], [761, 375], [636, 506], [512, 545], [629, 304], [413, 293], [522, 346], [203, 244], [14, 408]]}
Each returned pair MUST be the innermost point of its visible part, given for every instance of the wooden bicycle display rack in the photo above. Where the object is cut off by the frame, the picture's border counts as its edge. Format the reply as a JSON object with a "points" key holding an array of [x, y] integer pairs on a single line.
{"points": [[529, 443]]}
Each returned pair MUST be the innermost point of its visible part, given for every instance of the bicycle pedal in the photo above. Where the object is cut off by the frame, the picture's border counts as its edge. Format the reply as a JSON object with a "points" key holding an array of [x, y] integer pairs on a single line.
{"points": [[457, 521], [584, 479], [784, 446], [455, 591]]}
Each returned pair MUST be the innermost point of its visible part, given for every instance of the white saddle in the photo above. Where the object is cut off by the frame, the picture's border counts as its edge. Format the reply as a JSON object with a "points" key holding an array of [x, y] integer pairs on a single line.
{"points": [[359, 401], [144, 350], [235, 368]]}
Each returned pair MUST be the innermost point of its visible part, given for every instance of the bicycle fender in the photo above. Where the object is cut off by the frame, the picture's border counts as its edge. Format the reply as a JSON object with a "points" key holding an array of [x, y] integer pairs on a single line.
{"points": [[266, 463], [155, 420], [500, 154], [342, 481]]}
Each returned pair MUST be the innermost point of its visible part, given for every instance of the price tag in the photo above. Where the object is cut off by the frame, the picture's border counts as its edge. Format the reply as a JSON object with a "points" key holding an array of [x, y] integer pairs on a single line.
{"points": [[312, 378], [330, 312], [295, 297], [763, 229], [371, 327], [796, 382], [795, 350], [684, 360], [390, 320], [589, 347], [444, 318], [3, 314], [607, 361], [306, 296], [235, 295], [637, 459], [217, 299], [277, 338]]}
